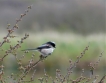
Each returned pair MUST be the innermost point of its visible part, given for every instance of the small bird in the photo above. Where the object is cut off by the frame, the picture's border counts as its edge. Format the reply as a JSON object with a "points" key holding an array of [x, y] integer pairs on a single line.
{"points": [[45, 49]]}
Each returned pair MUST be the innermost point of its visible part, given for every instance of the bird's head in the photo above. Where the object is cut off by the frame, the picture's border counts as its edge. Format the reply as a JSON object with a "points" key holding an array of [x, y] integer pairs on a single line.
{"points": [[51, 44]]}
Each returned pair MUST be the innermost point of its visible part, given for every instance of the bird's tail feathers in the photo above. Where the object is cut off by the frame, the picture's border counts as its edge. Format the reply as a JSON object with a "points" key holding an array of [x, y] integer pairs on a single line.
{"points": [[34, 49]]}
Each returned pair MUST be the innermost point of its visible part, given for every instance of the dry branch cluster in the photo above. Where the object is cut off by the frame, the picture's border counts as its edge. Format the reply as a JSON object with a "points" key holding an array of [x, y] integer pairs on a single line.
{"points": [[24, 70]]}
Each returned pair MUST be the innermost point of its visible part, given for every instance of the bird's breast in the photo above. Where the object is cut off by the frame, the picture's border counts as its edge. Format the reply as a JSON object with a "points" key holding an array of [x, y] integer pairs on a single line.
{"points": [[47, 51]]}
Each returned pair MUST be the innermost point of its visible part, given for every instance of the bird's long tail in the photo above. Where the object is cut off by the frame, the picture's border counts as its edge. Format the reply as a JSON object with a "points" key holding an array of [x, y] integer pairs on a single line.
{"points": [[34, 49]]}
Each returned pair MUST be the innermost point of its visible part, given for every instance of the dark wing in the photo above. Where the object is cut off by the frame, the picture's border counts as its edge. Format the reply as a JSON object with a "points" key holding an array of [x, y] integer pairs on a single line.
{"points": [[43, 47]]}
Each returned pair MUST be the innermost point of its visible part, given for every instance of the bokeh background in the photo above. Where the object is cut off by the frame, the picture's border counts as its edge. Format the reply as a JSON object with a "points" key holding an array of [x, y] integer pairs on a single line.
{"points": [[72, 24]]}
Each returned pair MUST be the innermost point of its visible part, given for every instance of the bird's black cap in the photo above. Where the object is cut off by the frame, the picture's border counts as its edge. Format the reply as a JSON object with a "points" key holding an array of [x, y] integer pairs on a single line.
{"points": [[52, 43]]}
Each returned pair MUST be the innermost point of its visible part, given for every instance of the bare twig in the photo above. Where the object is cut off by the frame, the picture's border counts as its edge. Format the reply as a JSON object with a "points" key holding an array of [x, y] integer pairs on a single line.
{"points": [[28, 69], [10, 31], [101, 81]]}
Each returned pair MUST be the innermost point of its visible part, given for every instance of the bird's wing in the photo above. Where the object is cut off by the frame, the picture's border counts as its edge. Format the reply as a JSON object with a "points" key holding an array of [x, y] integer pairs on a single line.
{"points": [[43, 47]]}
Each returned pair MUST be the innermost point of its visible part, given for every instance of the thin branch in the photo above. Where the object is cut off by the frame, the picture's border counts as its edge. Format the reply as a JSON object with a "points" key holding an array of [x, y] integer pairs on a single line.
{"points": [[102, 79], [10, 31]]}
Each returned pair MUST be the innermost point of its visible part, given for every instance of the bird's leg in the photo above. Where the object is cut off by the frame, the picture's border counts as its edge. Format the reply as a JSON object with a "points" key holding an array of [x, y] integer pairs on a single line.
{"points": [[45, 57], [42, 57]]}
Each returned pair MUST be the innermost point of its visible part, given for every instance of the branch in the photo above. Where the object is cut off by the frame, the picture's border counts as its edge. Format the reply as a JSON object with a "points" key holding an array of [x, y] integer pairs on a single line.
{"points": [[102, 79]]}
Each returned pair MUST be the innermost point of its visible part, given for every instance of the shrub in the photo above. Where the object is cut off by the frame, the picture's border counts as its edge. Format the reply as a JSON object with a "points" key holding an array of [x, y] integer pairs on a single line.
{"points": [[24, 70]]}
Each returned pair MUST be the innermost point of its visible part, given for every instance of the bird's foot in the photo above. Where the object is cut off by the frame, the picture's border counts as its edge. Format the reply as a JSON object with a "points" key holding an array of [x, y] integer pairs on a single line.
{"points": [[42, 57]]}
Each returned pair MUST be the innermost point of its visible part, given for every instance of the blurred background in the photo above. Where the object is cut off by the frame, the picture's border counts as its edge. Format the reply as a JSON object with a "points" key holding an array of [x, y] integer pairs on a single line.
{"points": [[72, 24]]}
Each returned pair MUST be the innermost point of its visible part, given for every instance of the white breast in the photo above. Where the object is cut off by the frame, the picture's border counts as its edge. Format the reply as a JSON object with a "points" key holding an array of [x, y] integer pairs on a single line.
{"points": [[47, 51]]}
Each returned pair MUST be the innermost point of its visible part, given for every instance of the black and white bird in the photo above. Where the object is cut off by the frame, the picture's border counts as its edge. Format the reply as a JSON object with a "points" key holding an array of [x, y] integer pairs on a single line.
{"points": [[45, 49]]}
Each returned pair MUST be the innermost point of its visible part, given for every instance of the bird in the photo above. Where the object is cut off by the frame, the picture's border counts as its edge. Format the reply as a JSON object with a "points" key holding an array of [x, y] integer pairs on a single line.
{"points": [[45, 49]]}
